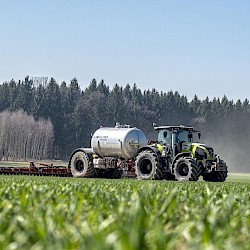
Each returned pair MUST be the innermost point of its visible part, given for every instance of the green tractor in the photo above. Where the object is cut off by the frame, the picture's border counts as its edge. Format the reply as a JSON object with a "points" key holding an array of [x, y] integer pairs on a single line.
{"points": [[174, 156]]}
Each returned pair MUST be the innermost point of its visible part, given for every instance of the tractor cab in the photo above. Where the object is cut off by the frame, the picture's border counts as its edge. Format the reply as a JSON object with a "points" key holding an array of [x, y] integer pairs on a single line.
{"points": [[174, 136], [180, 133]]}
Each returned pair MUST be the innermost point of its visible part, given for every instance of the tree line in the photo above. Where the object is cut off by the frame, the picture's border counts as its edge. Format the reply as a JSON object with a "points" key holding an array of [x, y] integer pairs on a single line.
{"points": [[76, 113]]}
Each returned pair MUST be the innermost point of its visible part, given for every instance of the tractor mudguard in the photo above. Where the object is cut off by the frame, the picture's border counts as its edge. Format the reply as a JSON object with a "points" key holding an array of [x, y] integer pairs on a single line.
{"points": [[182, 154], [151, 148]]}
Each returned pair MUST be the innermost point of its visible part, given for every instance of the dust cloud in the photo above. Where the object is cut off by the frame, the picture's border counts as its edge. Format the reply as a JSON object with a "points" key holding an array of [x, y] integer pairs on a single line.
{"points": [[233, 149]]}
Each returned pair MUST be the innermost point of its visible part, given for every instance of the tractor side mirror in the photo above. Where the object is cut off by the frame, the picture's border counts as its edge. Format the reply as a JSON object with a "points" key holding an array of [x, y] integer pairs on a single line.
{"points": [[199, 135], [165, 133]]}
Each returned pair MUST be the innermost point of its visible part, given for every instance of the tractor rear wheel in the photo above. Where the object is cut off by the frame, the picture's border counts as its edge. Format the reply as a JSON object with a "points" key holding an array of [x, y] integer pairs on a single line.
{"points": [[186, 169], [147, 166], [80, 165], [219, 176]]}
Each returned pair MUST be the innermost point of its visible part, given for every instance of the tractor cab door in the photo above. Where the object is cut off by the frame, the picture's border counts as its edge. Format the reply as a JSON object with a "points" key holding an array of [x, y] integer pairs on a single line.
{"points": [[165, 137]]}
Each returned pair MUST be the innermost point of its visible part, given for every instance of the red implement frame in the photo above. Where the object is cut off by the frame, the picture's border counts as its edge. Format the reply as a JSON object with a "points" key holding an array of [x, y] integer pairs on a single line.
{"points": [[45, 170]]}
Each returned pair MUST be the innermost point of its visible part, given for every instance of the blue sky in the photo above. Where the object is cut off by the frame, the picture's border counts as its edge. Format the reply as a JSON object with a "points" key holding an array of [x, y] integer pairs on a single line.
{"points": [[193, 47]]}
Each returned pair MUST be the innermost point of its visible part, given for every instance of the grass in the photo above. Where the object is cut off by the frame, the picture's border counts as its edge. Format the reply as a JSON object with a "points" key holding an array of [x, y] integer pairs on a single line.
{"points": [[238, 177], [68, 213]]}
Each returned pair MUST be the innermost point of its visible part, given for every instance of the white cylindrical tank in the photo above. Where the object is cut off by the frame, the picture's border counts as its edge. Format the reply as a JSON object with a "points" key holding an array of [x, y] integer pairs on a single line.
{"points": [[118, 142]]}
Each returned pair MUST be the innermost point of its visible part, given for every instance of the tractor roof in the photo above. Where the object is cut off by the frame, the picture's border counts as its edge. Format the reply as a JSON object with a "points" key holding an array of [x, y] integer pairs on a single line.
{"points": [[179, 127]]}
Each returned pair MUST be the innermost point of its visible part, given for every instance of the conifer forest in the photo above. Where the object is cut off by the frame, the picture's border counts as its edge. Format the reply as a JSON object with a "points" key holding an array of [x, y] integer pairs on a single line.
{"points": [[44, 119]]}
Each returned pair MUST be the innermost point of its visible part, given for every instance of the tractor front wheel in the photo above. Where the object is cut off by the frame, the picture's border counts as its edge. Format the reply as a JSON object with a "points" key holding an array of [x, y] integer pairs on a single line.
{"points": [[80, 165], [186, 169], [147, 166]]}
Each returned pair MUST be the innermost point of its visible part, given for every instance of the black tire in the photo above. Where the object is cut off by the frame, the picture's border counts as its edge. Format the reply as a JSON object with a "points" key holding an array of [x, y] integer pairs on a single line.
{"points": [[147, 166], [80, 165], [186, 169], [219, 176]]}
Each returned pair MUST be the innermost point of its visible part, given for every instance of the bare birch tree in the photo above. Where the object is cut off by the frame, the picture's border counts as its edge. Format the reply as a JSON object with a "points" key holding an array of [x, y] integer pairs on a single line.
{"points": [[21, 137]]}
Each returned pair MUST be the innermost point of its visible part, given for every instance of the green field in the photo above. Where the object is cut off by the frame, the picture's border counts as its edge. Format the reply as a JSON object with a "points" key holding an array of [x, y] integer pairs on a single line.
{"points": [[68, 213]]}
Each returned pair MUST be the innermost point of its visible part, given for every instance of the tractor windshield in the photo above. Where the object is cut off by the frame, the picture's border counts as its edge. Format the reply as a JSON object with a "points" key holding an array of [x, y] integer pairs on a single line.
{"points": [[165, 136], [182, 135]]}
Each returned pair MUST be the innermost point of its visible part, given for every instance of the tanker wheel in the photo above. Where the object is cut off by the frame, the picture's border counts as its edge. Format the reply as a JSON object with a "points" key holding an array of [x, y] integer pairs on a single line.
{"points": [[80, 165], [147, 166], [219, 176], [186, 169]]}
